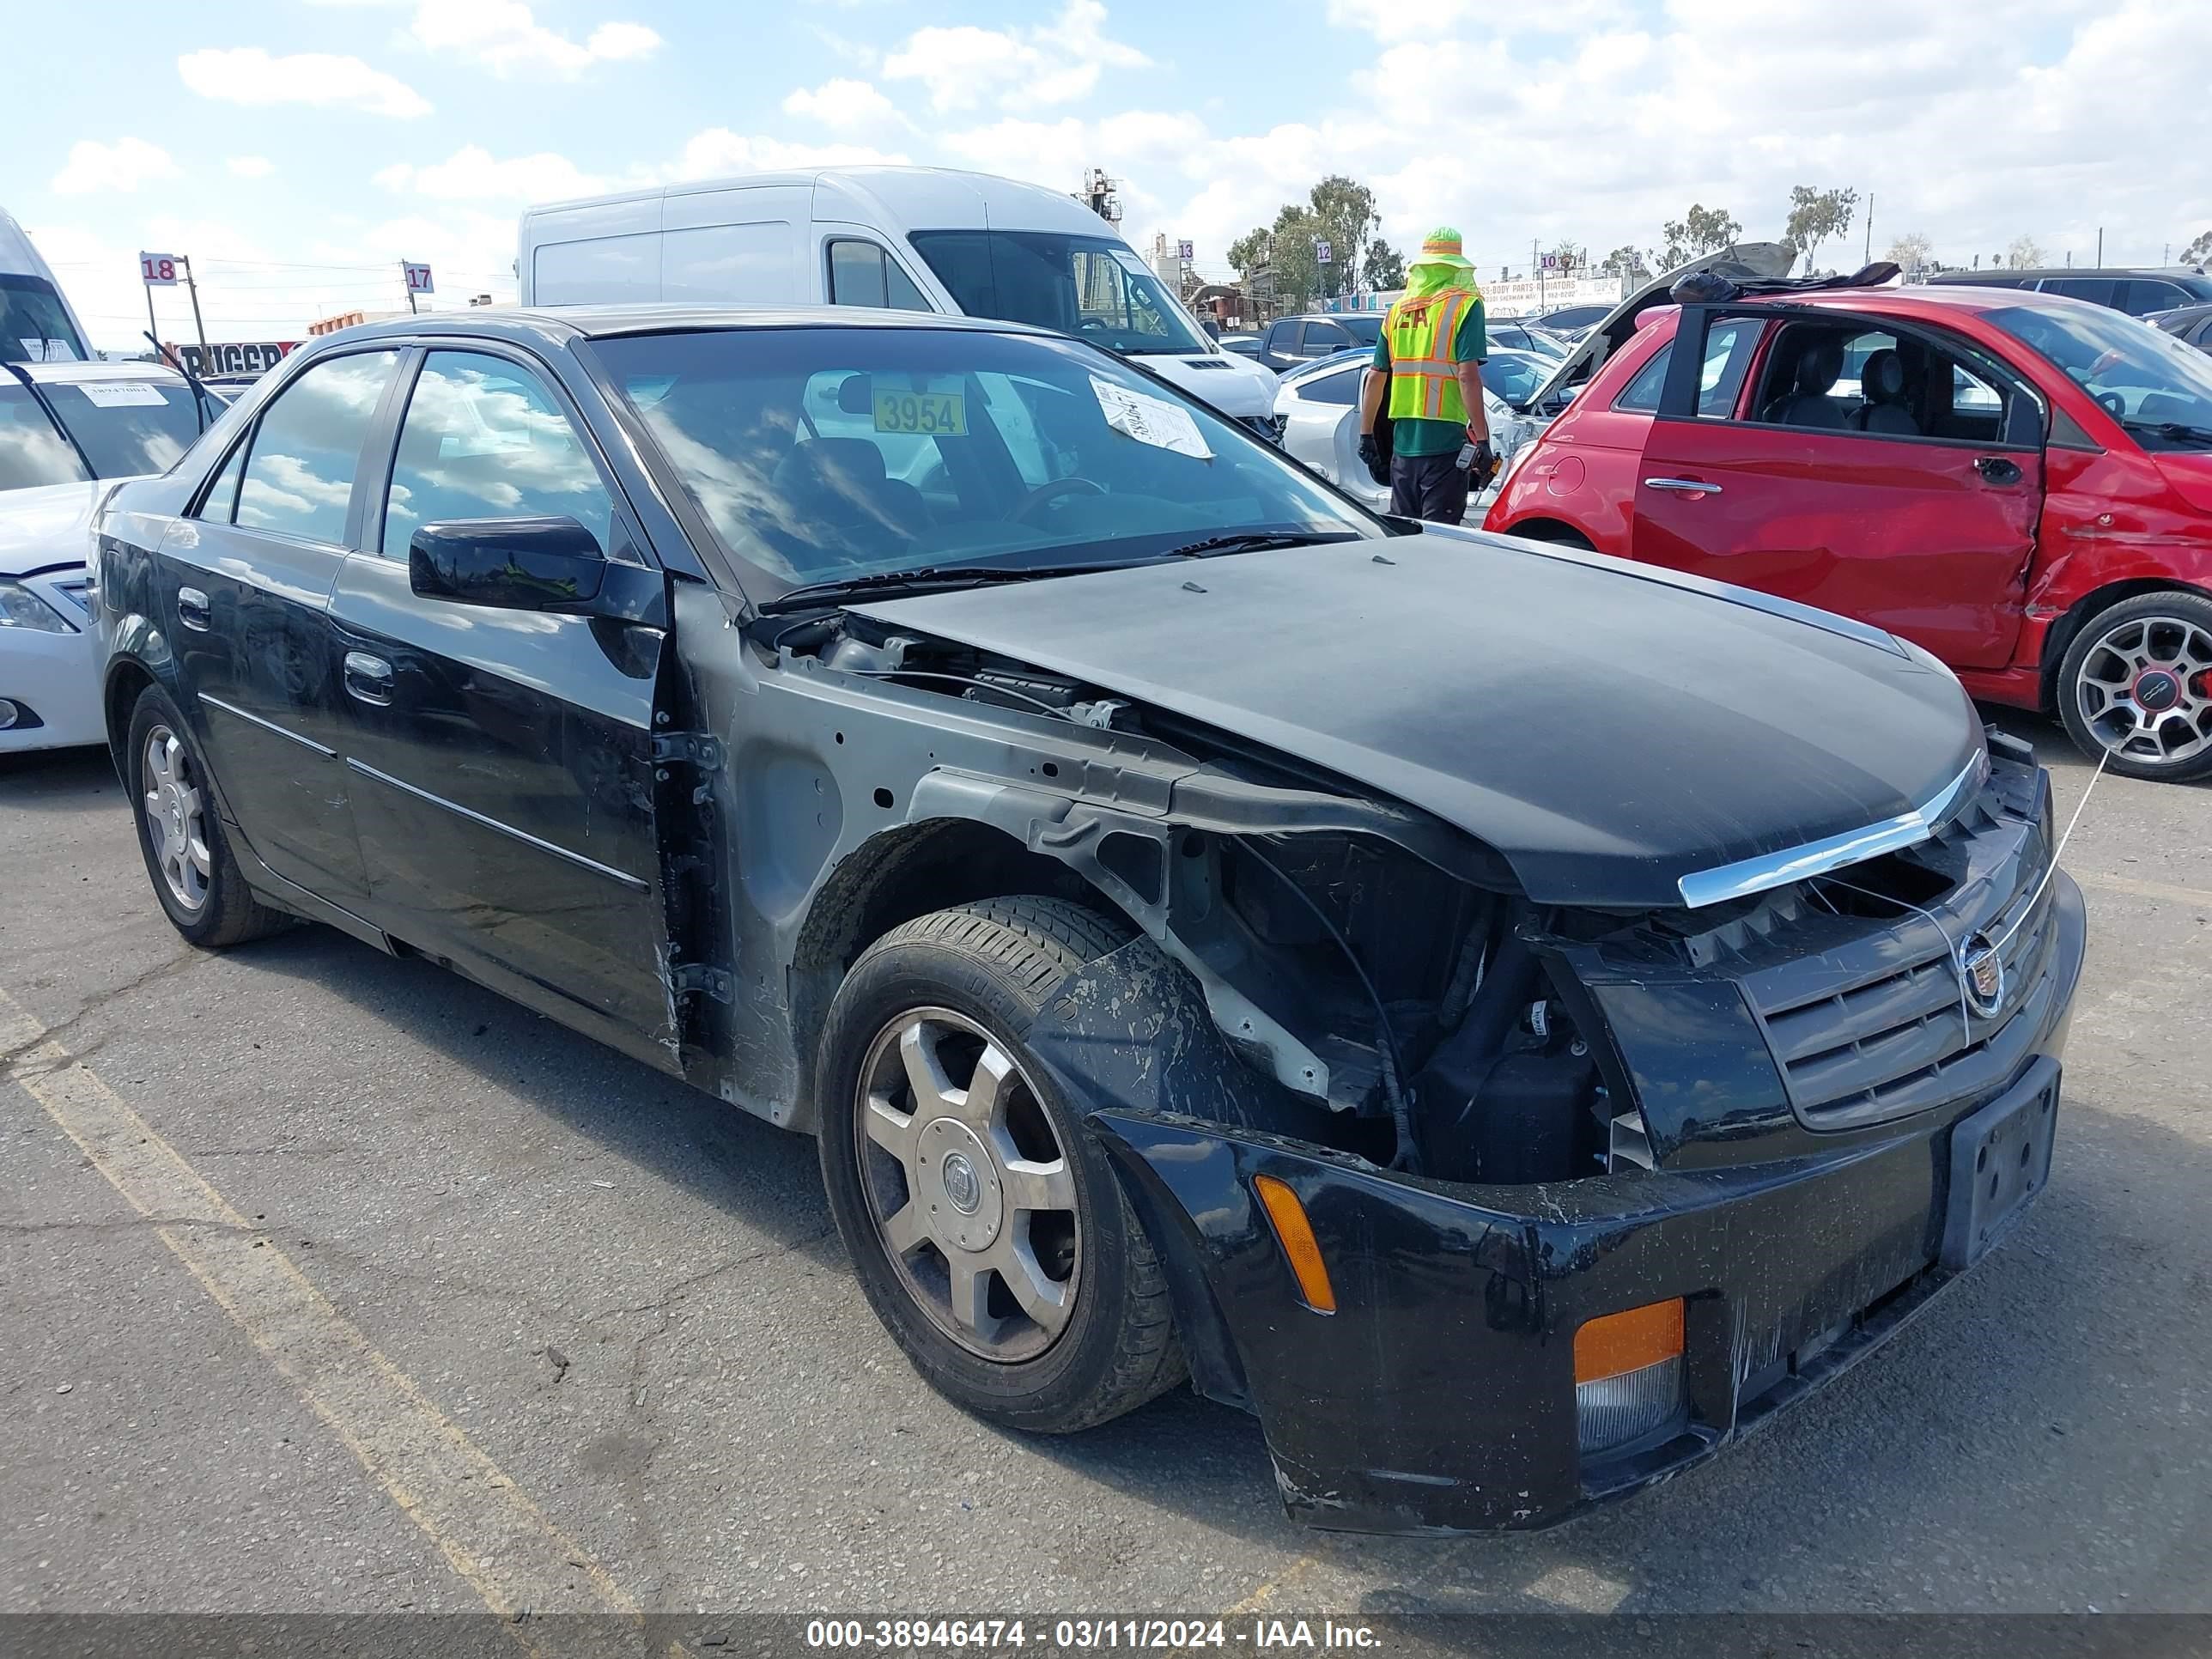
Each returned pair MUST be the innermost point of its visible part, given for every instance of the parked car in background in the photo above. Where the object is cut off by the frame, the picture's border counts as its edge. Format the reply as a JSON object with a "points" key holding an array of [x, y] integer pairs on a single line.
{"points": [[907, 238], [1570, 321], [2190, 322], [2017, 481], [1245, 342], [2137, 292], [68, 431], [1318, 405], [932, 735], [36, 322], [1517, 335], [1290, 340]]}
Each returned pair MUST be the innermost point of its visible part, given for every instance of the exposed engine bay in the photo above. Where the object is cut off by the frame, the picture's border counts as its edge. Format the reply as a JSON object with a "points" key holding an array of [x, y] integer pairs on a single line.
{"points": [[1415, 1007]]}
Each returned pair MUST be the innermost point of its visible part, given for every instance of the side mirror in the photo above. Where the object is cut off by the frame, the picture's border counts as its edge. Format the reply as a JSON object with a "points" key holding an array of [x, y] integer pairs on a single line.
{"points": [[510, 564]]}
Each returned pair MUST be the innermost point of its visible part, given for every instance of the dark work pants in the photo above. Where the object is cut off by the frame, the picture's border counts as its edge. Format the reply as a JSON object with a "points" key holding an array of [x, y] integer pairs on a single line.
{"points": [[1432, 487]]}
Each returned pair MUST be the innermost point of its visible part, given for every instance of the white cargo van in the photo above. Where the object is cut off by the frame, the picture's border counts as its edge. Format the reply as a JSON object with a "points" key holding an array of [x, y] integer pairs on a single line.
{"points": [[36, 322], [915, 239]]}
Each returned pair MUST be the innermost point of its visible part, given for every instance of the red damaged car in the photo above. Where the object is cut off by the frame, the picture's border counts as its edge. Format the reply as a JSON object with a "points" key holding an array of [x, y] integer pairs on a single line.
{"points": [[2020, 483]]}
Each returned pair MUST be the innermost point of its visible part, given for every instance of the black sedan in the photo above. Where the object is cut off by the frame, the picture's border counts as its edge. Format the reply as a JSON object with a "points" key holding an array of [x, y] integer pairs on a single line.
{"points": [[1510, 1020]]}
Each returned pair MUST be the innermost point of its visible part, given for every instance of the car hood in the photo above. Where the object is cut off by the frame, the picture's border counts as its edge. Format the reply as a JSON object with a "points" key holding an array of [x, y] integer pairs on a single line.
{"points": [[1762, 259], [48, 524], [1608, 728], [1237, 386]]}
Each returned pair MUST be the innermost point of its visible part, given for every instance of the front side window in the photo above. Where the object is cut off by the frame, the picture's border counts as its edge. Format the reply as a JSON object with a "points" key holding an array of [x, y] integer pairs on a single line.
{"points": [[33, 451], [126, 428], [2157, 386], [299, 472], [1729, 345], [862, 274], [1092, 287], [484, 439], [2139, 296], [833, 452]]}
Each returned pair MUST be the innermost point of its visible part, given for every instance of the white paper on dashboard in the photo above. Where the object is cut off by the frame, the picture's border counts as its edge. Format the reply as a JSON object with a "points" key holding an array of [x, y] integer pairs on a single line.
{"points": [[1151, 421], [123, 394]]}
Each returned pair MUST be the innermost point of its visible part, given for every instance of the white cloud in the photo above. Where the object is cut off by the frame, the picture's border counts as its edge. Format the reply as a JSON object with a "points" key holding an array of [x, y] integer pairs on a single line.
{"points": [[505, 37], [251, 167], [473, 174], [1055, 63], [124, 165], [248, 75], [842, 103]]}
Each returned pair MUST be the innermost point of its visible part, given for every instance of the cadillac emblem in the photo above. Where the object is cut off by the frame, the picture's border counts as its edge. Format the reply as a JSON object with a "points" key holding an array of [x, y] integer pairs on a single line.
{"points": [[1984, 976]]}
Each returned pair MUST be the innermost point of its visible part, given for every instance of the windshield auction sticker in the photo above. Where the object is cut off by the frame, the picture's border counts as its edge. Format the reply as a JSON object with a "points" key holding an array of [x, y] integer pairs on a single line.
{"points": [[1151, 421], [122, 394]]}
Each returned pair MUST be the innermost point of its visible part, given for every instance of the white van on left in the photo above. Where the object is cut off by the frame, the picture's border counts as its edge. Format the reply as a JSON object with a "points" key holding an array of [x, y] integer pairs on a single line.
{"points": [[70, 429]]}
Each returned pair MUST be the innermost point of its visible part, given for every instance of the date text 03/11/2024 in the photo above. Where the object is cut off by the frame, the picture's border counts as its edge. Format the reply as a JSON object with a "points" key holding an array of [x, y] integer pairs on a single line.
{"points": [[1083, 1635]]}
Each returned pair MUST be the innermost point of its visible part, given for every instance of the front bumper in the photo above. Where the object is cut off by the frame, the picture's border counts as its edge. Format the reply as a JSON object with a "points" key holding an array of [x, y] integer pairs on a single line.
{"points": [[55, 676], [1440, 1396]]}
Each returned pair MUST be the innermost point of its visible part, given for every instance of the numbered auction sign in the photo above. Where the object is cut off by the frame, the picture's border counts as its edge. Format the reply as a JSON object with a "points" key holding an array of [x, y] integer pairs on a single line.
{"points": [[418, 278], [159, 270]]}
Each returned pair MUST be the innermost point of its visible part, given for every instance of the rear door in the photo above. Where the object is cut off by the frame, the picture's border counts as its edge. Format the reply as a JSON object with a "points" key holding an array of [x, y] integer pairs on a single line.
{"points": [[502, 759], [244, 578], [1786, 457]]}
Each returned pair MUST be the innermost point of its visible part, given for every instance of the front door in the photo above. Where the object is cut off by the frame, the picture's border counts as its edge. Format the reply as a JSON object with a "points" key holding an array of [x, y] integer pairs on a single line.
{"points": [[1847, 463], [244, 581], [502, 759]]}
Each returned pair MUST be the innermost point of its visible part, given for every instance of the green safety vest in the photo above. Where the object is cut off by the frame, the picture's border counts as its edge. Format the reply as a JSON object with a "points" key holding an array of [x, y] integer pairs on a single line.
{"points": [[1424, 380]]}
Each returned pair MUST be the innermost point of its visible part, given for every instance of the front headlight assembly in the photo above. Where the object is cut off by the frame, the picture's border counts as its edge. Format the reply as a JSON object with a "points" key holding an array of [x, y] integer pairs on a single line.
{"points": [[21, 608]]}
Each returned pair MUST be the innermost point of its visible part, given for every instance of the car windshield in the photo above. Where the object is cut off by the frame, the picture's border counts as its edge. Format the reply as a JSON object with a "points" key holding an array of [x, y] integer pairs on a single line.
{"points": [[33, 327], [1515, 377], [822, 453], [126, 428], [32, 450], [1090, 286], [2157, 386]]}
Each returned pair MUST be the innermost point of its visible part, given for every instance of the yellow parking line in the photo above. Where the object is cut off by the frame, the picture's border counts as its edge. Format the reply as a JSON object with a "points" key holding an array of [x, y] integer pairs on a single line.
{"points": [[1266, 1592], [505, 1548], [2157, 890]]}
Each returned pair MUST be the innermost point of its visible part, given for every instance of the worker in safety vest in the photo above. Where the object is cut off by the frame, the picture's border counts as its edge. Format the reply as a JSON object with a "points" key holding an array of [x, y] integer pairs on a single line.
{"points": [[1430, 358]]}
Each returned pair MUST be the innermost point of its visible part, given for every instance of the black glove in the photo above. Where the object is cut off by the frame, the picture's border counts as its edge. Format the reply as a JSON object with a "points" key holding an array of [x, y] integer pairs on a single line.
{"points": [[1485, 464], [1372, 458]]}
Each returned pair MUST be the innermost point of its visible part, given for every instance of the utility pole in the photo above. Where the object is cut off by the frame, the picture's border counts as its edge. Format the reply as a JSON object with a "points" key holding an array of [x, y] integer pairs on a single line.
{"points": [[2100, 245], [1869, 259], [198, 324], [1536, 265], [153, 328], [409, 286]]}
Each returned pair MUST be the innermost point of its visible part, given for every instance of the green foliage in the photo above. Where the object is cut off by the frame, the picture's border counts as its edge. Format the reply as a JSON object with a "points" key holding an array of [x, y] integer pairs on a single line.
{"points": [[1383, 267], [1817, 215], [1701, 231]]}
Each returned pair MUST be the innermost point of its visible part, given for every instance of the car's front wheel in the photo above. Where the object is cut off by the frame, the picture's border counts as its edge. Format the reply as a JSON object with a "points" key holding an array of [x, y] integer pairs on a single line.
{"points": [[180, 833], [2136, 685], [985, 1224]]}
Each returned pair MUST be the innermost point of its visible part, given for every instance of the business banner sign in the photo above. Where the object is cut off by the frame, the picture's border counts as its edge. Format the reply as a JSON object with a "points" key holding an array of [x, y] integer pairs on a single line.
{"points": [[235, 359]]}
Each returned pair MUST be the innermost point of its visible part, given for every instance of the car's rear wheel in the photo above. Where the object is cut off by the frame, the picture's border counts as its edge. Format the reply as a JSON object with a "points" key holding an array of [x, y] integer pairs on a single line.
{"points": [[987, 1228], [2135, 686], [180, 833]]}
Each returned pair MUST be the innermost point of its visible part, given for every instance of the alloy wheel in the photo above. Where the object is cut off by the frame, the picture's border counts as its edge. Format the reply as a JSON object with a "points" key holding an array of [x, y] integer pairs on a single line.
{"points": [[968, 1185], [2144, 689], [176, 818]]}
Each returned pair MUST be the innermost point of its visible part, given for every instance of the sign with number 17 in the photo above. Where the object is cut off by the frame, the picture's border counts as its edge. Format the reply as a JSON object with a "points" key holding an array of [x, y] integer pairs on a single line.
{"points": [[418, 278]]}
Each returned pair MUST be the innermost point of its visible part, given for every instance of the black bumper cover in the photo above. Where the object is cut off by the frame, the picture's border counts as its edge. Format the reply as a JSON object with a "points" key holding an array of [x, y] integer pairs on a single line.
{"points": [[1440, 1396]]}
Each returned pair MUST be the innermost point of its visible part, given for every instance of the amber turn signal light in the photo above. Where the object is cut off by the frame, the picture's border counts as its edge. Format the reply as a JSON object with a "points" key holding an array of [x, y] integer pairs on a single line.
{"points": [[1619, 1343], [1288, 1217]]}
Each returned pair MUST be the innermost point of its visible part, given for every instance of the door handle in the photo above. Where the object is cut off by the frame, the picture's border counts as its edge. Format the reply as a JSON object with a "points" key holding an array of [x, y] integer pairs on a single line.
{"points": [[367, 679], [193, 610], [1996, 470], [1686, 486]]}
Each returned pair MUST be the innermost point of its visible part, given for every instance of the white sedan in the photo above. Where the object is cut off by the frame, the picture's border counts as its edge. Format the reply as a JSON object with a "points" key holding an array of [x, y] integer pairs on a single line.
{"points": [[1319, 406], [69, 432]]}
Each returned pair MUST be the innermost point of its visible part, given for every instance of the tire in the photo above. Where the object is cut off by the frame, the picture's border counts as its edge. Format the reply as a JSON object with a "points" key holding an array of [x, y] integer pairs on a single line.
{"points": [[2155, 646], [964, 986], [202, 891]]}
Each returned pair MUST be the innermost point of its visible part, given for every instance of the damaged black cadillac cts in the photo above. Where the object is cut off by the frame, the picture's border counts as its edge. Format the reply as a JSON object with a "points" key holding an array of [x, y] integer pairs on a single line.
{"points": [[1510, 1019]]}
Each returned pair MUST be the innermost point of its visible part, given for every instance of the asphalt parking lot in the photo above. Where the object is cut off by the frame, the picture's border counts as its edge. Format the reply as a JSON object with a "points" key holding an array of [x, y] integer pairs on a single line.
{"points": [[382, 1293]]}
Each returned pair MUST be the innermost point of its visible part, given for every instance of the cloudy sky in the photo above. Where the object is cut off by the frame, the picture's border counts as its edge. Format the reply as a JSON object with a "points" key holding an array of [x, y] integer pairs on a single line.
{"points": [[297, 149]]}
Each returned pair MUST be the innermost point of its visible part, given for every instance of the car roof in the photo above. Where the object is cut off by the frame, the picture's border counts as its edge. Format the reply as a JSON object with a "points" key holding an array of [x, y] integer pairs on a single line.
{"points": [[596, 322], [78, 373], [1920, 298], [2043, 272]]}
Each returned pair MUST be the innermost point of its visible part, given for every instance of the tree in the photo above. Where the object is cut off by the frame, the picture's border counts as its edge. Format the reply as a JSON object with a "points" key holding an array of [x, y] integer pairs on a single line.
{"points": [[1249, 253], [1699, 232], [1383, 266], [1815, 216], [1912, 252], [1343, 211], [2199, 251], [2025, 253], [1294, 259], [1627, 260]]}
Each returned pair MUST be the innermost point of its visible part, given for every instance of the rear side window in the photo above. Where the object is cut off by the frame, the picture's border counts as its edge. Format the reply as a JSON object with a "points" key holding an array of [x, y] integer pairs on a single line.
{"points": [[306, 450], [2139, 296], [712, 263], [2097, 290], [862, 274], [1641, 395], [603, 268], [1323, 338], [484, 439], [1341, 387]]}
